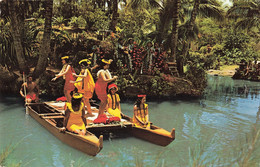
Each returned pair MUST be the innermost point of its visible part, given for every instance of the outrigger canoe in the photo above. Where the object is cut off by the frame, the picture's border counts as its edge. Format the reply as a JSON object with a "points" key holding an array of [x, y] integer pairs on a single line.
{"points": [[51, 115], [52, 120]]}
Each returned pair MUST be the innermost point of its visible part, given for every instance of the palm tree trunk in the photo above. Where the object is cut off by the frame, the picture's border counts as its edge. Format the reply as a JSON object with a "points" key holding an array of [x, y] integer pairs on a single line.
{"points": [[174, 39], [180, 61], [186, 43], [115, 15], [45, 44], [194, 14], [16, 34]]}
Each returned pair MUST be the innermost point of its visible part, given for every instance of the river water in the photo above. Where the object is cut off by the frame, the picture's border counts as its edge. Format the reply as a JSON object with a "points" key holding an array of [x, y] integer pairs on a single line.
{"points": [[218, 129]]}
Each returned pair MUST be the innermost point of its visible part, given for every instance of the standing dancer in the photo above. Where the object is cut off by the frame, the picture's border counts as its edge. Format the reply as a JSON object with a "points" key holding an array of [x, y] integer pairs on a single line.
{"points": [[104, 77], [85, 84], [66, 72]]}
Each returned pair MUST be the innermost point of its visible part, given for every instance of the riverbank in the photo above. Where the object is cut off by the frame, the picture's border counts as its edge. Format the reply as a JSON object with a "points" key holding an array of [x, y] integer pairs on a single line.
{"points": [[157, 86], [226, 70]]}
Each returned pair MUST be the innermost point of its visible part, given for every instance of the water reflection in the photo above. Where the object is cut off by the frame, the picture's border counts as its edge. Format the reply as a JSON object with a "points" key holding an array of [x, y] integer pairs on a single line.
{"points": [[219, 86]]}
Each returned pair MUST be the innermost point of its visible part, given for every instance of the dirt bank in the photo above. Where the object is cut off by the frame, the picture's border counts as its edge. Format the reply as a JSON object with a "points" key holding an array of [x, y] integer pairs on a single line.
{"points": [[224, 70]]}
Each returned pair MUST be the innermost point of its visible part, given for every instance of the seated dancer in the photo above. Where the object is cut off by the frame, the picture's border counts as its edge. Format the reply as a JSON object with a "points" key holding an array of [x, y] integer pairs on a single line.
{"points": [[104, 77], [75, 118], [32, 91], [113, 101], [85, 83], [141, 117], [66, 72]]}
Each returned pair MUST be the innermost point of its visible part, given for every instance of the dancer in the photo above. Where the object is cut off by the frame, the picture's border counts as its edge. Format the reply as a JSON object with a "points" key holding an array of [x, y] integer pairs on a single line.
{"points": [[85, 83], [113, 101], [66, 72], [75, 118], [104, 77], [141, 117]]}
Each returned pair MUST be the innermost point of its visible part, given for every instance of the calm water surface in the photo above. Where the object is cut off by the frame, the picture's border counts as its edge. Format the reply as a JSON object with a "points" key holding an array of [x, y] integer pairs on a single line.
{"points": [[215, 130]]}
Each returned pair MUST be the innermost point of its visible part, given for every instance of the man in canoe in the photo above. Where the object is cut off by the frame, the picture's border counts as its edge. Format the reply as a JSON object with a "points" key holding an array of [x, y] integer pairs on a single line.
{"points": [[141, 117], [30, 90], [75, 117]]}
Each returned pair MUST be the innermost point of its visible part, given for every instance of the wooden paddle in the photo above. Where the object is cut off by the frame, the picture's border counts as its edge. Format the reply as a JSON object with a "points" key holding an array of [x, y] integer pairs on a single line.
{"points": [[26, 108]]}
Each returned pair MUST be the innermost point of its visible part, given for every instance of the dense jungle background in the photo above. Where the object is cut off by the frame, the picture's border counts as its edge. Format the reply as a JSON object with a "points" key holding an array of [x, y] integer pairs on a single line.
{"points": [[187, 37]]}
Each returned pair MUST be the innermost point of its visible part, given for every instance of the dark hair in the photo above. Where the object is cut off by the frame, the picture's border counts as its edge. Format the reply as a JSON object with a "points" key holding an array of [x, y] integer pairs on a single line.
{"points": [[113, 100], [28, 76], [67, 60], [84, 64], [138, 101], [102, 64], [76, 103]]}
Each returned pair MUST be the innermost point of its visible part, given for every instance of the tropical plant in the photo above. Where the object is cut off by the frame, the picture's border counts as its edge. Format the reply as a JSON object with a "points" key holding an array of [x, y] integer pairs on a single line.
{"points": [[77, 22], [59, 21], [207, 8], [197, 76], [7, 51], [246, 13], [60, 40], [138, 25], [96, 18], [210, 32]]}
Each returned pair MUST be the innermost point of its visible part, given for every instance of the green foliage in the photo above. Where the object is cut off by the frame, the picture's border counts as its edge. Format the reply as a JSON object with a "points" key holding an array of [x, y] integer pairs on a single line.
{"points": [[210, 32], [50, 88], [246, 14], [236, 40], [66, 9], [236, 47], [82, 14], [158, 85], [60, 21], [96, 19], [6, 152], [29, 40], [7, 51], [40, 21], [197, 75], [138, 24], [77, 21], [29, 43]]}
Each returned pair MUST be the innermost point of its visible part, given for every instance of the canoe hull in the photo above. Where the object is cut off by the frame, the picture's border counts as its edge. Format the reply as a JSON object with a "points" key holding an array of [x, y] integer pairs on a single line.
{"points": [[156, 136], [89, 144]]}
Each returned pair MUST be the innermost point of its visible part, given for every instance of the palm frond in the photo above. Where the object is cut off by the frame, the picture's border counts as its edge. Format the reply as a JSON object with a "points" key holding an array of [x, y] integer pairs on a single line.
{"points": [[248, 23], [238, 9], [215, 12], [211, 2], [248, 12], [135, 4], [186, 34]]}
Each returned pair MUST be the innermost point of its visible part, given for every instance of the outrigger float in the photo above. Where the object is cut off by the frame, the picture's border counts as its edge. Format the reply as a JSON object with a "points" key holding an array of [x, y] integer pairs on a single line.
{"points": [[51, 115]]}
